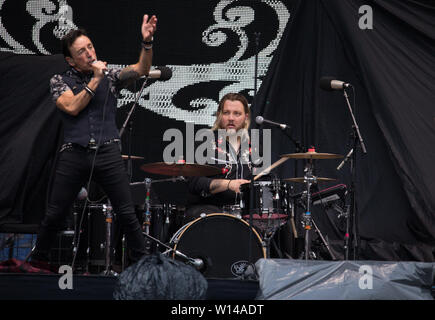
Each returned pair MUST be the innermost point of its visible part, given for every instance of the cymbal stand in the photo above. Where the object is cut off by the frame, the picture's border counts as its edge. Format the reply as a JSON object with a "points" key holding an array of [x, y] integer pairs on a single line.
{"points": [[147, 218], [309, 179], [108, 212]]}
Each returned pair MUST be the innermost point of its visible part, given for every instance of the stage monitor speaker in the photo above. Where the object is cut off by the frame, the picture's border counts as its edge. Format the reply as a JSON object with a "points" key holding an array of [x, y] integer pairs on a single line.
{"points": [[282, 279]]}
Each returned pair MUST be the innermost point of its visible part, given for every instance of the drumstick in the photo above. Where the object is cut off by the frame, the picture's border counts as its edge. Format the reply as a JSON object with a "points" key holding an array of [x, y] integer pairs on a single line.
{"points": [[277, 163]]}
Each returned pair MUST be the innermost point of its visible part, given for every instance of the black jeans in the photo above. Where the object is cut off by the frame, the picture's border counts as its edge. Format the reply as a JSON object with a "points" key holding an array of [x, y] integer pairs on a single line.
{"points": [[72, 172]]}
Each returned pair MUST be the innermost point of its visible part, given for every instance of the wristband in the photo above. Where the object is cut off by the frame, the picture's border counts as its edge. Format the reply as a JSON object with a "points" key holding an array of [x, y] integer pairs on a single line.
{"points": [[147, 45], [90, 91]]}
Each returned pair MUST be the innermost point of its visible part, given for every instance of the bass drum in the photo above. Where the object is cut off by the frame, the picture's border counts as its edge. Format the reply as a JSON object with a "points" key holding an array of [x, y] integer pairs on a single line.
{"points": [[225, 243]]}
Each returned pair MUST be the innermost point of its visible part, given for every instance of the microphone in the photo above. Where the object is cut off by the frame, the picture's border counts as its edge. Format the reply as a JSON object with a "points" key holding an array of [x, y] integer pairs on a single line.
{"points": [[329, 84], [345, 159], [197, 263], [260, 120], [105, 71], [160, 73]]}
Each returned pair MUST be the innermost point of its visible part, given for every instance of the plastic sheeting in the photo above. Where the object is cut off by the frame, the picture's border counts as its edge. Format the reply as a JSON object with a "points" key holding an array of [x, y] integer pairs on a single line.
{"points": [[156, 277], [344, 280]]}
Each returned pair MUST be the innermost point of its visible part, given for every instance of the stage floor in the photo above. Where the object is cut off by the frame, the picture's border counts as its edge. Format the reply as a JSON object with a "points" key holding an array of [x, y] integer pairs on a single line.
{"points": [[16, 286]]}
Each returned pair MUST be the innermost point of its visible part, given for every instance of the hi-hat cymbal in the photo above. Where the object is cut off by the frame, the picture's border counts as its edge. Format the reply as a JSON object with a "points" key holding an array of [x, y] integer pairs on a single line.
{"points": [[312, 155], [302, 179], [124, 156], [180, 169]]}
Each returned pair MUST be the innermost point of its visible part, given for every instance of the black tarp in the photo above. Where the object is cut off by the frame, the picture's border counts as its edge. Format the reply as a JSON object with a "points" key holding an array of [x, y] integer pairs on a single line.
{"points": [[392, 70]]}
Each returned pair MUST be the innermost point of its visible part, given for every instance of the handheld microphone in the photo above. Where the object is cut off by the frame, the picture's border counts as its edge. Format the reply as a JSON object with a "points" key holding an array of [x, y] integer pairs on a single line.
{"points": [[329, 84], [260, 120], [105, 71]]}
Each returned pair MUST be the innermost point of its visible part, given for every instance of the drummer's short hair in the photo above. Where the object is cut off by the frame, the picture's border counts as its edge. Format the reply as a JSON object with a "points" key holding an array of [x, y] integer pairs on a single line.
{"points": [[232, 96]]}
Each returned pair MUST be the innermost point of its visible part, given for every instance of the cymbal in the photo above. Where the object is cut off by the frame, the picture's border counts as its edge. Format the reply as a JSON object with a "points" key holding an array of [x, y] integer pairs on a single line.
{"points": [[180, 169], [302, 179], [124, 156], [312, 155]]}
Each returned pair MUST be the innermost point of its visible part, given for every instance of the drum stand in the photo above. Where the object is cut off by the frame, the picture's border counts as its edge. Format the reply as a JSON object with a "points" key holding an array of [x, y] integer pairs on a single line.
{"points": [[107, 210], [146, 226], [308, 221]]}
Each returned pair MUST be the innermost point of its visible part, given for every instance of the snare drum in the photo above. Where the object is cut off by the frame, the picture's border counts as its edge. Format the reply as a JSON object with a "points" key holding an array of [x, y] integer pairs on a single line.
{"points": [[223, 242]]}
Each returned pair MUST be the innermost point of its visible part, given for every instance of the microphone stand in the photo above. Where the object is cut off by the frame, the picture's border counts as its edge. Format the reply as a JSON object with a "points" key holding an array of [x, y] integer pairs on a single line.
{"points": [[357, 141], [121, 132], [196, 263], [251, 184], [129, 160]]}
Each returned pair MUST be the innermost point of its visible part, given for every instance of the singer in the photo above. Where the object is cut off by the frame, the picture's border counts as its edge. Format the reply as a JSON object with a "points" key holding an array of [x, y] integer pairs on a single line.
{"points": [[86, 97]]}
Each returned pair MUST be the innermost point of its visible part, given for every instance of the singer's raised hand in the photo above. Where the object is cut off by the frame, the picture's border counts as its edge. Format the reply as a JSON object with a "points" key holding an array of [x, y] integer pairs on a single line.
{"points": [[149, 26]]}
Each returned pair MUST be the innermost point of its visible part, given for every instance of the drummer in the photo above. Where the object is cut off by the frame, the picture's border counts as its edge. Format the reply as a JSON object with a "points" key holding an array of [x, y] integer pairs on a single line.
{"points": [[231, 153]]}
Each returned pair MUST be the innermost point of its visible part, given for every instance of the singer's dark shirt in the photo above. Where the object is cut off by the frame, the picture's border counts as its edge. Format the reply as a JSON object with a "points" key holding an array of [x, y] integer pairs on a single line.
{"points": [[96, 122]]}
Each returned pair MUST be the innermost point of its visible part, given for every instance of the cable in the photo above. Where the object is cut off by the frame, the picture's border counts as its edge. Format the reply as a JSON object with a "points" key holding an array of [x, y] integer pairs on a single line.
{"points": [[90, 178]]}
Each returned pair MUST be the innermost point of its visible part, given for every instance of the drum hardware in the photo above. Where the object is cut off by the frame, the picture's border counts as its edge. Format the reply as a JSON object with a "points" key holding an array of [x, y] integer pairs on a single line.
{"points": [[310, 179], [234, 210], [147, 215], [108, 212], [146, 226]]}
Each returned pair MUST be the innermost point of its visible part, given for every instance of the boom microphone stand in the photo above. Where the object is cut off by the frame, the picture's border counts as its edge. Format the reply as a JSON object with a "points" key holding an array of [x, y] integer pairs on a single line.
{"points": [[357, 141]]}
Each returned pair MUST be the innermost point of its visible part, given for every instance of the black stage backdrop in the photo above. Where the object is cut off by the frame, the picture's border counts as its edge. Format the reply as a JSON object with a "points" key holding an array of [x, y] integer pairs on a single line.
{"points": [[392, 69], [210, 45]]}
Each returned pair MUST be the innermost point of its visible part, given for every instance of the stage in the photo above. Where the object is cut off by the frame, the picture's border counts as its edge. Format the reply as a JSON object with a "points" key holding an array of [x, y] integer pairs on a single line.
{"points": [[18, 286], [279, 279]]}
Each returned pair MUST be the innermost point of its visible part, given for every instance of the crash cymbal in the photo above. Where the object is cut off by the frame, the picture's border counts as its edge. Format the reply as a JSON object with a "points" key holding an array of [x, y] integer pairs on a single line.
{"points": [[180, 169], [124, 156], [302, 179], [312, 155]]}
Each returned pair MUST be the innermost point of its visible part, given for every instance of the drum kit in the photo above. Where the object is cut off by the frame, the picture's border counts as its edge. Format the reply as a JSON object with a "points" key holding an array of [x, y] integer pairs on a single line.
{"points": [[226, 244]]}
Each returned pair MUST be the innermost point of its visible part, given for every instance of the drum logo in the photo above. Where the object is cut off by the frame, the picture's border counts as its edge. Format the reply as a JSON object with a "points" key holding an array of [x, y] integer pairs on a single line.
{"points": [[239, 268]]}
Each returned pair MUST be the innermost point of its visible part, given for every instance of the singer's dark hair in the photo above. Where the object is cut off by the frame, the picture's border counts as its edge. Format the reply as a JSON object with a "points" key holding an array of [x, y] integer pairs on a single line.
{"points": [[69, 38]]}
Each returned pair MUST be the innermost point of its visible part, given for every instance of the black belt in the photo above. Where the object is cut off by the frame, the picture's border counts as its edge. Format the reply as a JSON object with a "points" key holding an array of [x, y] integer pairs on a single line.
{"points": [[90, 146]]}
